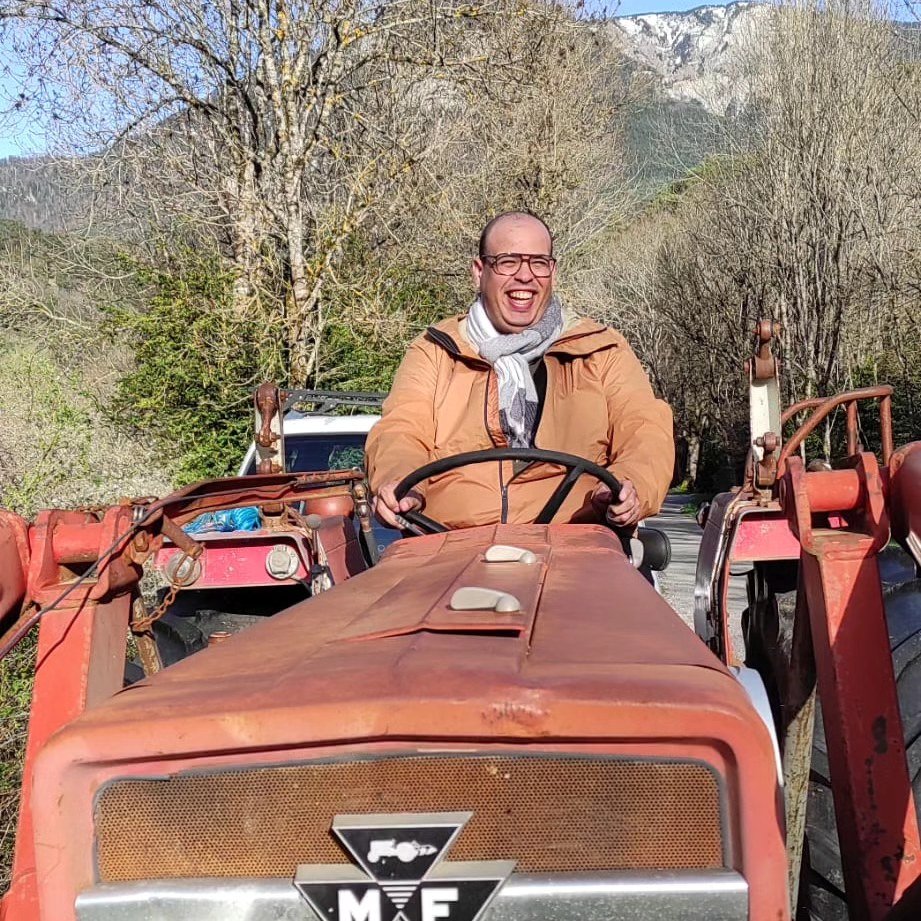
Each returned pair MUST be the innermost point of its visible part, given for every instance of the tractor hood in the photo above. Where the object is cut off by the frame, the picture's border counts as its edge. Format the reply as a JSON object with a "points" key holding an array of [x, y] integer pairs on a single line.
{"points": [[384, 654], [407, 705]]}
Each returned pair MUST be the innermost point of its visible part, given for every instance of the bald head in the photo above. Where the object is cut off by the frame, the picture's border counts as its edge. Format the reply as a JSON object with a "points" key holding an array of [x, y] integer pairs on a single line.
{"points": [[514, 221]]}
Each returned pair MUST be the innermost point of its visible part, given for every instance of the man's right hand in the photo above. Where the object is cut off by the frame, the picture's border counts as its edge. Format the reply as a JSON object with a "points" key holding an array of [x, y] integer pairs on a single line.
{"points": [[387, 508]]}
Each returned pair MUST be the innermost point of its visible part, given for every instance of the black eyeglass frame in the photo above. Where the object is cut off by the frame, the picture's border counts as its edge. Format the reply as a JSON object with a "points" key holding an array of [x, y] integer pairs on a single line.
{"points": [[492, 261]]}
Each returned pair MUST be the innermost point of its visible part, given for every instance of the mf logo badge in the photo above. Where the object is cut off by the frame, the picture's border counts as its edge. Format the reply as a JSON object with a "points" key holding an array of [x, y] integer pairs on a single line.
{"points": [[403, 875]]}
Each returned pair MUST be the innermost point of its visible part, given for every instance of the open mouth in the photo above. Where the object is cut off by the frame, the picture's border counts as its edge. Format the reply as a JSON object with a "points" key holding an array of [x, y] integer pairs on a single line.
{"points": [[521, 298]]}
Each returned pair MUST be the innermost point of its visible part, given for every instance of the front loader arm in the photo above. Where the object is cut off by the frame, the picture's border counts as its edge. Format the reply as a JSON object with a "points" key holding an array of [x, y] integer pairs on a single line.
{"points": [[81, 640], [75, 574]]}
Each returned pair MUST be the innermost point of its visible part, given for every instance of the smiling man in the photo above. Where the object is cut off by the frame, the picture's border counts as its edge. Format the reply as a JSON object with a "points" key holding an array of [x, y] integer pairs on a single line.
{"points": [[519, 371]]}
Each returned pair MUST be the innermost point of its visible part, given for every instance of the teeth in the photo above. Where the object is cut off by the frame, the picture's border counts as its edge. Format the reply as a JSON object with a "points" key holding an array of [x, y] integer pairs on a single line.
{"points": [[521, 295]]}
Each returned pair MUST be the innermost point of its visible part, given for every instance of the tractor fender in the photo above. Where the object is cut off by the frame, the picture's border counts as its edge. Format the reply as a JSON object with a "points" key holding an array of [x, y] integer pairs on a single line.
{"points": [[757, 693], [905, 471]]}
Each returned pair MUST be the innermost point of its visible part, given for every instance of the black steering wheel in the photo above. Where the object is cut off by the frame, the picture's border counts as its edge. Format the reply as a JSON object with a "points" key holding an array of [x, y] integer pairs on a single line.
{"points": [[575, 466]]}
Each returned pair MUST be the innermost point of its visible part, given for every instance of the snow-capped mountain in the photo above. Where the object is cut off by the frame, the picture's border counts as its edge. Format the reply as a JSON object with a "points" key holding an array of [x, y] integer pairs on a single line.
{"points": [[699, 54]]}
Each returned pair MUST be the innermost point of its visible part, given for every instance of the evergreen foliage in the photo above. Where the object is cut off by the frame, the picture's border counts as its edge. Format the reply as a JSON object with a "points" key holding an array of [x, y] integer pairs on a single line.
{"points": [[362, 353], [197, 362]]}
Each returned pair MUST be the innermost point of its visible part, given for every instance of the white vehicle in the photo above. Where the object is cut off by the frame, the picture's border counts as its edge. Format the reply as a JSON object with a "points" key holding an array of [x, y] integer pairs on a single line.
{"points": [[316, 439], [319, 442]]}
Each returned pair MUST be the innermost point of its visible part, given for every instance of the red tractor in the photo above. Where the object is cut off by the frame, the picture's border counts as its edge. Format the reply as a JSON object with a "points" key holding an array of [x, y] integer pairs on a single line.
{"points": [[833, 626], [506, 722]]}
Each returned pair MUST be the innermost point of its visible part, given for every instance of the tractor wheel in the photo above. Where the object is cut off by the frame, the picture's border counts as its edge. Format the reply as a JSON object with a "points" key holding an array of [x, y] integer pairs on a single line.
{"points": [[767, 628], [822, 894]]}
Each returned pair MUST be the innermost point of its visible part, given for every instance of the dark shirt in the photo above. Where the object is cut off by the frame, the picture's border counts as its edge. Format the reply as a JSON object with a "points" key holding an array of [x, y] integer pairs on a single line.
{"points": [[539, 373]]}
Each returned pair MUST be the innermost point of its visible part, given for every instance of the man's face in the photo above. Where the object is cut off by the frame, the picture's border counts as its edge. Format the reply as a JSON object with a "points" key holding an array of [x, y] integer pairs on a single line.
{"points": [[514, 302]]}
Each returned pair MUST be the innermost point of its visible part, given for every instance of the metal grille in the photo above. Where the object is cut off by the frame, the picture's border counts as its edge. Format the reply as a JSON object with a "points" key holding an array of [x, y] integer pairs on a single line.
{"points": [[547, 813]]}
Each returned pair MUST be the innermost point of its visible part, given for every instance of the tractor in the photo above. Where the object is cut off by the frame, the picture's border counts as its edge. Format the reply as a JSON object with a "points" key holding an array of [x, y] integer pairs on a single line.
{"points": [[517, 701]]}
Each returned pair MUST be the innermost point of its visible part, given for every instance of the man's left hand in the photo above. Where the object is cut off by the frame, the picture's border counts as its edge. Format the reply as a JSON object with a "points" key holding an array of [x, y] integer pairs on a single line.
{"points": [[624, 512]]}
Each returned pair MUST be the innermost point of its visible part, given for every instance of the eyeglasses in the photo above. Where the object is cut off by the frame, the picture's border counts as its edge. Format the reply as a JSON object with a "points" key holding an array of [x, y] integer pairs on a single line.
{"points": [[510, 263]]}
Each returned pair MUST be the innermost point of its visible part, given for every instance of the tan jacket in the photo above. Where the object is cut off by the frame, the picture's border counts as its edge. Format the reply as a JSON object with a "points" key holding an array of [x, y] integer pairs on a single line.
{"points": [[599, 405]]}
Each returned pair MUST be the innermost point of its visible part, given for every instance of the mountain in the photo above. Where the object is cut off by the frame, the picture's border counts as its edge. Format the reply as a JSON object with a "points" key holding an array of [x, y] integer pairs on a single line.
{"points": [[41, 192], [697, 54], [691, 59]]}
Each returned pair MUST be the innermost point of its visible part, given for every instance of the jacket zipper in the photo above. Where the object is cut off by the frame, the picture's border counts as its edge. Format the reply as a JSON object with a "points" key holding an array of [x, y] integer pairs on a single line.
{"points": [[503, 489], [450, 346]]}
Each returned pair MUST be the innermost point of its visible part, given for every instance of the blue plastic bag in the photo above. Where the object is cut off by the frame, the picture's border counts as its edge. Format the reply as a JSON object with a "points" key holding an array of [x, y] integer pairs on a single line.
{"points": [[230, 519]]}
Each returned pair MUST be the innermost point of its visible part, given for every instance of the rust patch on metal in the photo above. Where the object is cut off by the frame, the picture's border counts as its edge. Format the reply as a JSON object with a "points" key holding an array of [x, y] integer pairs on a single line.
{"points": [[879, 736], [521, 714], [763, 364], [267, 402]]}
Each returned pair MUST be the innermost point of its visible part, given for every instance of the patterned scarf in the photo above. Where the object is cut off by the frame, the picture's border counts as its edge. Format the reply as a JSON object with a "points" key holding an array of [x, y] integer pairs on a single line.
{"points": [[510, 355]]}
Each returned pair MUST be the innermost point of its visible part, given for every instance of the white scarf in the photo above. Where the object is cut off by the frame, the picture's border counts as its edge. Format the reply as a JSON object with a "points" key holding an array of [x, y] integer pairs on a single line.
{"points": [[510, 354]]}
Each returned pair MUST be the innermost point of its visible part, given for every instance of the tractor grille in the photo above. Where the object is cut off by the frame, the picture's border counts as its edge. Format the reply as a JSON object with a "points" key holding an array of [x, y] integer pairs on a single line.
{"points": [[548, 813]]}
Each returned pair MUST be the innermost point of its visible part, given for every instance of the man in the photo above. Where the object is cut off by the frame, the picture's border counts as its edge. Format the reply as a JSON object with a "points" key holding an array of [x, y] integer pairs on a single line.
{"points": [[517, 370]]}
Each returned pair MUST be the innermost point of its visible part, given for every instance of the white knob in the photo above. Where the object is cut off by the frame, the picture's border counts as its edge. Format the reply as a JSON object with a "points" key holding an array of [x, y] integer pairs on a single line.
{"points": [[472, 598], [503, 553]]}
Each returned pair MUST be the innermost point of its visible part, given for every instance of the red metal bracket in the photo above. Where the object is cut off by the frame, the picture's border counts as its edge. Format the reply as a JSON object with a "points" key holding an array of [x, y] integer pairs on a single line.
{"points": [[874, 805], [14, 562]]}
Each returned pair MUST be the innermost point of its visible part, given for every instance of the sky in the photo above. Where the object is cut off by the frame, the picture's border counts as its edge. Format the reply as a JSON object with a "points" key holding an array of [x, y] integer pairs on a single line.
{"points": [[23, 139], [635, 7]]}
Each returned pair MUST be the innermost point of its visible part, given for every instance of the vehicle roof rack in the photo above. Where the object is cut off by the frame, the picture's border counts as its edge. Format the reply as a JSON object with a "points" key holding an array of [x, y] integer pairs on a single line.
{"points": [[324, 401]]}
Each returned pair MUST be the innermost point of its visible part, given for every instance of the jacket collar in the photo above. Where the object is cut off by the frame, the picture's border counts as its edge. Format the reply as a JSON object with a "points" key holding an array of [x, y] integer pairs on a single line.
{"points": [[580, 337]]}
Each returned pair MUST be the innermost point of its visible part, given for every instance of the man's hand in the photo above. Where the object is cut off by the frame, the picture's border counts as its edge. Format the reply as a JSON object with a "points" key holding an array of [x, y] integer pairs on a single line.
{"points": [[625, 512], [387, 508]]}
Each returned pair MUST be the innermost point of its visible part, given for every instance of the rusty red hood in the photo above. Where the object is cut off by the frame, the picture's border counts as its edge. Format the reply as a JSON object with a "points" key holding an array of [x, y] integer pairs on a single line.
{"points": [[594, 662], [381, 654]]}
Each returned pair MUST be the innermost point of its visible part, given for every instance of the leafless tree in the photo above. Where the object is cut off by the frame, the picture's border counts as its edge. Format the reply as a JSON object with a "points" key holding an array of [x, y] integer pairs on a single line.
{"points": [[810, 216], [279, 124], [552, 144]]}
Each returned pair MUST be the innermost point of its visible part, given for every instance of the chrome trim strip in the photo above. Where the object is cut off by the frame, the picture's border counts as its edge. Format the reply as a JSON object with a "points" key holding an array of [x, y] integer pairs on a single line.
{"points": [[714, 895]]}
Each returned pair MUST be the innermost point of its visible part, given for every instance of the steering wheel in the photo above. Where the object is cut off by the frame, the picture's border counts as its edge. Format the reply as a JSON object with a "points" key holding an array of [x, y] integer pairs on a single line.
{"points": [[575, 466]]}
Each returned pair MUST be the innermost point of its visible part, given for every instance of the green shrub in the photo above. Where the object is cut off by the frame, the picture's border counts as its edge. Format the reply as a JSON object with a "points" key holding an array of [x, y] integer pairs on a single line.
{"points": [[196, 364], [57, 448], [367, 332], [16, 672], [197, 359]]}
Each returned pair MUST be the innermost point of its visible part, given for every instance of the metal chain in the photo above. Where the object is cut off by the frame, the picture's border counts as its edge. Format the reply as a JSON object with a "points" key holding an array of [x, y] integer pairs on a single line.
{"points": [[143, 624]]}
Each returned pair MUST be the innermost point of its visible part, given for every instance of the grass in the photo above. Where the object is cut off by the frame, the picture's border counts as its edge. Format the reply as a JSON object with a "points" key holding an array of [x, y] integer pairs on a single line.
{"points": [[15, 697]]}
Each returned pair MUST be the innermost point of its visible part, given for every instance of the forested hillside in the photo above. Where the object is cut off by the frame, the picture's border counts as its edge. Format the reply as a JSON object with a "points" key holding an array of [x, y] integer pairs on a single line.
{"points": [[208, 231]]}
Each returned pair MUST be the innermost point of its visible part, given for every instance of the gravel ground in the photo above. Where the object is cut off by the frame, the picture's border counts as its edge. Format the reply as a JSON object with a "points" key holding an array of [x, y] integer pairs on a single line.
{"points": [[677, 582]]}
